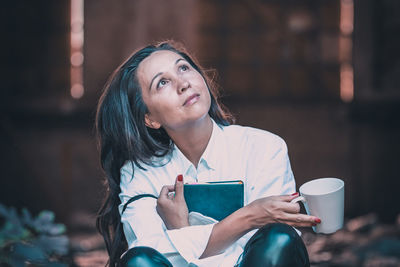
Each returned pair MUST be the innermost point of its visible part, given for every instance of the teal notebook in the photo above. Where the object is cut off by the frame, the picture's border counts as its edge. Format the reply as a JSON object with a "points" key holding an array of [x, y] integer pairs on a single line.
{"points": [[215, 199]]}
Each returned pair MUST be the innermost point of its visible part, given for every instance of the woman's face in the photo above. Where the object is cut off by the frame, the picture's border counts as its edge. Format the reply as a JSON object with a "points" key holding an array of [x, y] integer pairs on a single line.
{"points": [[173, 91]]}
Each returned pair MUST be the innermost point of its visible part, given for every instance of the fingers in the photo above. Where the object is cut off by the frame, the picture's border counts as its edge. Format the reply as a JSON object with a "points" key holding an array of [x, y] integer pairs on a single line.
{"points": [[290, 207], [290, 213], [301, 218], [280, 203], [300, 224], [280, 209], [165, 191], [284, 203], [287, 198], [179, 187]]}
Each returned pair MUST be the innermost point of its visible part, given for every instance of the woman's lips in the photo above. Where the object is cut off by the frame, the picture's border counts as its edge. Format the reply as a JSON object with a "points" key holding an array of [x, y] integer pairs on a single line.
{"points": [[191, 99]]}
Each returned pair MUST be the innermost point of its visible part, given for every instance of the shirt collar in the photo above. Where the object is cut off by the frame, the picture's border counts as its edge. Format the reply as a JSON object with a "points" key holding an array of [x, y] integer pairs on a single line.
{"points": [[182, 160], [209, 156]]}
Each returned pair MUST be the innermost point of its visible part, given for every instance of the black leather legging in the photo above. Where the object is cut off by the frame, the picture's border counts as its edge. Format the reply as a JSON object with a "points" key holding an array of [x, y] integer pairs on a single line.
{"points": [[273, 245], [143, 257]]}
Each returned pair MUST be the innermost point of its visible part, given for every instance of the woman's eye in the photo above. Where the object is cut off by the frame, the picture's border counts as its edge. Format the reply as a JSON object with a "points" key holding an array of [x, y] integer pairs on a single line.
{"points": [[161, 83], [184, 68]]}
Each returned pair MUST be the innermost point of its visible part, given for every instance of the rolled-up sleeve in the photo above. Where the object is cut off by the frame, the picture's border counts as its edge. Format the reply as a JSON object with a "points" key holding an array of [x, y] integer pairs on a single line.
{"points": [[191, 241]]}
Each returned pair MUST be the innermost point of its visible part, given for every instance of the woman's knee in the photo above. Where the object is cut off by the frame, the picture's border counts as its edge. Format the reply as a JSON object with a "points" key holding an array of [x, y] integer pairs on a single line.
{"points": [[143, 257], [275, 245]]}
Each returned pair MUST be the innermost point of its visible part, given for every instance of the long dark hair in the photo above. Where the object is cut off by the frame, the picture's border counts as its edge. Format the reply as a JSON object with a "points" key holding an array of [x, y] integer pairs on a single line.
{"points": [[123, 136]]}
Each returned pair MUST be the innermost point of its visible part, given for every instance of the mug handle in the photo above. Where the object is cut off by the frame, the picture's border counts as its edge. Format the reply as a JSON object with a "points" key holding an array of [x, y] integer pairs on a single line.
{"points": [[297, 199]]}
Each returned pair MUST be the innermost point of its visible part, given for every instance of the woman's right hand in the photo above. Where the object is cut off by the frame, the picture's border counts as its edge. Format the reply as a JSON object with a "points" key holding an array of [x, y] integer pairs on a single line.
{"points": [[171, 205], [278, 209]]}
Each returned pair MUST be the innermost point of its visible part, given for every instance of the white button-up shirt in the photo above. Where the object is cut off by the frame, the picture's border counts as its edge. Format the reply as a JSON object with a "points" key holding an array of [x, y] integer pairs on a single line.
{"points": [[258, 158]]}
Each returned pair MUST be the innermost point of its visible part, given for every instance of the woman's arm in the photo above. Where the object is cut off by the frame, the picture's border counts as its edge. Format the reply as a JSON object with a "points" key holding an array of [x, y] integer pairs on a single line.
{"points": [[253, 216], [227, 232], [173, 210]]}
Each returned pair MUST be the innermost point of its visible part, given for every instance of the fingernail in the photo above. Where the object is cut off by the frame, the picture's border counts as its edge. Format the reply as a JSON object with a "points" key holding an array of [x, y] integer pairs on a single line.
{"points": [[317, 220], [295, 194], [314, 224], [180, 177]]}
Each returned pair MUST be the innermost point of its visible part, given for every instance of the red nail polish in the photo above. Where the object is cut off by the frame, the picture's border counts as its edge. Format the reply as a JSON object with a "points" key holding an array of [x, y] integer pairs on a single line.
{"points": [[295, 194], [180, 177], [318, 220], [314, 224]]}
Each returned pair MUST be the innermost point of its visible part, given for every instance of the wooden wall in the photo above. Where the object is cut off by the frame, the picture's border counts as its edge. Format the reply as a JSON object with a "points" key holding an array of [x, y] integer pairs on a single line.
{"points": [[278, 65]]}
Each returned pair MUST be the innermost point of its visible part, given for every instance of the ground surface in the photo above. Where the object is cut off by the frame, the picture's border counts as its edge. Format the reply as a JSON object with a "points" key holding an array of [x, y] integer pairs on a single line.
{"points": [[362, 242]]}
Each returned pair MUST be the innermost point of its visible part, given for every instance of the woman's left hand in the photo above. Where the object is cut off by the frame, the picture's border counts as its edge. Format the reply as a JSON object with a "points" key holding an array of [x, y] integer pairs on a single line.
{"points": [[279, 209], [171, 205]]}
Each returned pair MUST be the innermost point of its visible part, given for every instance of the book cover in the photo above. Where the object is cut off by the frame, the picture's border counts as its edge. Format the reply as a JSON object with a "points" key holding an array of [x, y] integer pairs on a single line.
{"points": [[215, 199]]}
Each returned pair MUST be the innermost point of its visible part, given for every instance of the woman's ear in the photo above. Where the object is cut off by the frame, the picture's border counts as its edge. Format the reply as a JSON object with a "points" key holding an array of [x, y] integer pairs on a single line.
{"points": [[151, 123]]}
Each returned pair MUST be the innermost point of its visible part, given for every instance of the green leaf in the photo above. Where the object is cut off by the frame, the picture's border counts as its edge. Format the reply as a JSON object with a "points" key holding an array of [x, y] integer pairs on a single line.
{"points": [[26, 217], [31, 240], [53, 244], [28, 252], [46, 216]]}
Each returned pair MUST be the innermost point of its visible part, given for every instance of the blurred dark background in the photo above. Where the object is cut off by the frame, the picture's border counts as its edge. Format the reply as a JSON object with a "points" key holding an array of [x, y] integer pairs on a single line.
{"points": [[323, 74]]}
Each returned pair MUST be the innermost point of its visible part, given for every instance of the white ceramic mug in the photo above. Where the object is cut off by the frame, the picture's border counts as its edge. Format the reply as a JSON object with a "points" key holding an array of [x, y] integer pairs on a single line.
{"points": [[324, 198]]}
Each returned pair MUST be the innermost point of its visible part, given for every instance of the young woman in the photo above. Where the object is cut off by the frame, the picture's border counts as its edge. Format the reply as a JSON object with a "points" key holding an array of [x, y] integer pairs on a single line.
{"points": [[160, 125]]}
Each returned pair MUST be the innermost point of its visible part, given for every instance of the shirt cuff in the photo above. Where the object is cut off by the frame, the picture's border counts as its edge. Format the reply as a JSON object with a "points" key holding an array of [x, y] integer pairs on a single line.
{"points": [[191, 241]]}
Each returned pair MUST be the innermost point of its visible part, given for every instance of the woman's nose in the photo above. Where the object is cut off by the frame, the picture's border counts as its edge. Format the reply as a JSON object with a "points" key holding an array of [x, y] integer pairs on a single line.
{"points": [[182, 86]]}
